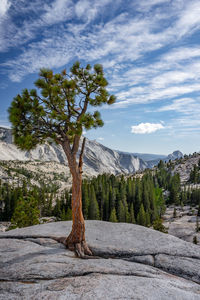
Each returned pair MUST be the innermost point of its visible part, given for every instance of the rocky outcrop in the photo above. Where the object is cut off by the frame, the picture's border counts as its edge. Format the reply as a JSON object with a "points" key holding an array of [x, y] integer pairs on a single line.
{"points": [[184, 224], [134, 263], [185, 167], [173, 156]]}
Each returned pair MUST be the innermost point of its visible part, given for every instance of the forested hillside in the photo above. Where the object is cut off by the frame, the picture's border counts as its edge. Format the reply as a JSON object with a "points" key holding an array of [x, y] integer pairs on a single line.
{"points": [[137, 199]]}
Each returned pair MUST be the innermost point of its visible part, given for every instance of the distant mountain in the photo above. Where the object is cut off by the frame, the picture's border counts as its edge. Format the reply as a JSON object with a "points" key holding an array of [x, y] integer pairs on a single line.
{"points": [[173, 156], [152, 160], [98, 159], [149, 157]]}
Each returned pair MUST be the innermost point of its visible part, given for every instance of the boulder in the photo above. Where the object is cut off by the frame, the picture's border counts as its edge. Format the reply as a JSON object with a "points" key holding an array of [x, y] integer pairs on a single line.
{"points": [[134, 262]]}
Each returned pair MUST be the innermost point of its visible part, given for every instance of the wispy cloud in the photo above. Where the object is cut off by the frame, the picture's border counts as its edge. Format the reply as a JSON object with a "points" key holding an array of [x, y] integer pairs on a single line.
{"points": [[121, 43], [186, 106], [143, 128], [123, 39]]}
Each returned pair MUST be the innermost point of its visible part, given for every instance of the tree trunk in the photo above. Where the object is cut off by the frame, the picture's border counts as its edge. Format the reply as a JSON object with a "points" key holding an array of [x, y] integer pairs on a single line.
{"points": [[76, 239]]}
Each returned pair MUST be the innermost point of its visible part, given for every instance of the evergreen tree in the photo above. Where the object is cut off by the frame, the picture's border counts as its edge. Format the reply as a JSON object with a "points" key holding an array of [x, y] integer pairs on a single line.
{"points": [[158, 225], [57, 209], [63, 215], [85, 199], [138, 196], [132, 215], [121, 212], [194, 174], [59, 113], [68, 216], [148, 221], [141, 217], [113, 216], [26, 213], [93, 206], [175, 189]]}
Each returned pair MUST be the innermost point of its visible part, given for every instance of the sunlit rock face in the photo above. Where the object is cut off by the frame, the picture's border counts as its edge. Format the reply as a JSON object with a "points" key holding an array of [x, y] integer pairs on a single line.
{"points": [[98, 159]]}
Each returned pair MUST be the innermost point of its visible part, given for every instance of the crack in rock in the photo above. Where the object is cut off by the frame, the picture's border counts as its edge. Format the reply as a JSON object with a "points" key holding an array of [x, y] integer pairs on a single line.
{"points": [[37, 279], [161, 260]]}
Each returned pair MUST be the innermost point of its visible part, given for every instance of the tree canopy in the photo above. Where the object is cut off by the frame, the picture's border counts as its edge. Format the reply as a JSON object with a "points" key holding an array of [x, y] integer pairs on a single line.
{"points": [[59, 109]]}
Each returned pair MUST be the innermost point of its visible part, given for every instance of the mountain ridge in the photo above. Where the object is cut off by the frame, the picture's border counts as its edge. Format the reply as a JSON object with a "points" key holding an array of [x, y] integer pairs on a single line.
{"points": [[98, 158]]}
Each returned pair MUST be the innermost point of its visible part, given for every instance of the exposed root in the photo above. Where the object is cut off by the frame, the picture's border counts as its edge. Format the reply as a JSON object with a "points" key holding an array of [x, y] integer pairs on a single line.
{"points": [[86, 249], [61, 239], [81, 249]]}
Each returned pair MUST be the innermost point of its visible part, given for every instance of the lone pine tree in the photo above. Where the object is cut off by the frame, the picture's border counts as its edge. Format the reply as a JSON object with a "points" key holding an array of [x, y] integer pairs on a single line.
{"points": [[58, 112]]}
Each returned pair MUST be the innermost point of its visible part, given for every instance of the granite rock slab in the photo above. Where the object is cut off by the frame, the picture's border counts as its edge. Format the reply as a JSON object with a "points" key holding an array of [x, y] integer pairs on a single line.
{"points": [[134, 263]]}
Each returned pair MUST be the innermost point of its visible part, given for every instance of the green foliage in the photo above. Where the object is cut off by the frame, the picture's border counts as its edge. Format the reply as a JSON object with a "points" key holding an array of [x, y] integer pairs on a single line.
{"points": [[158, 225], [93, 206], [58, 108], [195, 174], [132, 215], [141, 217], [26, 213], [68, 215], [130, 199], [113, 216]]}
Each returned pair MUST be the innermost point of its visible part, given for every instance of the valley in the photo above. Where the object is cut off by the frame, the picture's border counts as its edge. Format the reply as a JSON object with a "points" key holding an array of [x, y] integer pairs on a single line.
{"points": [[139, 191]]}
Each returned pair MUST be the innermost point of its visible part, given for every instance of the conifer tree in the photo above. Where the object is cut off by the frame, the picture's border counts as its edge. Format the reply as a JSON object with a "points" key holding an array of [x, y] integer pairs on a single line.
{"points": [[141, 217], [158, 225], [59, 113], [138, 197], [63, 215], [68, 216], [93, 206], [85, 199], [148, 221], [26, 212], [132, 215], [121, 212], [113, 216]]}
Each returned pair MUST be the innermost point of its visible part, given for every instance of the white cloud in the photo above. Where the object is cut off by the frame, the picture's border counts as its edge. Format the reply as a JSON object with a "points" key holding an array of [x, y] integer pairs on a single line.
{"points": [[143, 128], [100, 138], [117, 43], [4, 6], [58, 11], [189, 20], [180, 54], [81, 8]]}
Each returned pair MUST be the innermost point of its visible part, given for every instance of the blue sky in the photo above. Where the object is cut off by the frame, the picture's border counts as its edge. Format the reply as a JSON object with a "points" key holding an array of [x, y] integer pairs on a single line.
{"points": [[150, 50]]}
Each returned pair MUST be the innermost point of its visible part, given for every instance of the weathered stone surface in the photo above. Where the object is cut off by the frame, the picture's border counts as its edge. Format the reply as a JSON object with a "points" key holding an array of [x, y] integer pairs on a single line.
{"points": [[34, 266], [184, 225]]}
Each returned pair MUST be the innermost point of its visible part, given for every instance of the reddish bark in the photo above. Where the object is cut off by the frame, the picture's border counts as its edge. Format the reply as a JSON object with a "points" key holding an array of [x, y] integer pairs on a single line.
{"points": [[76, 239]]}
